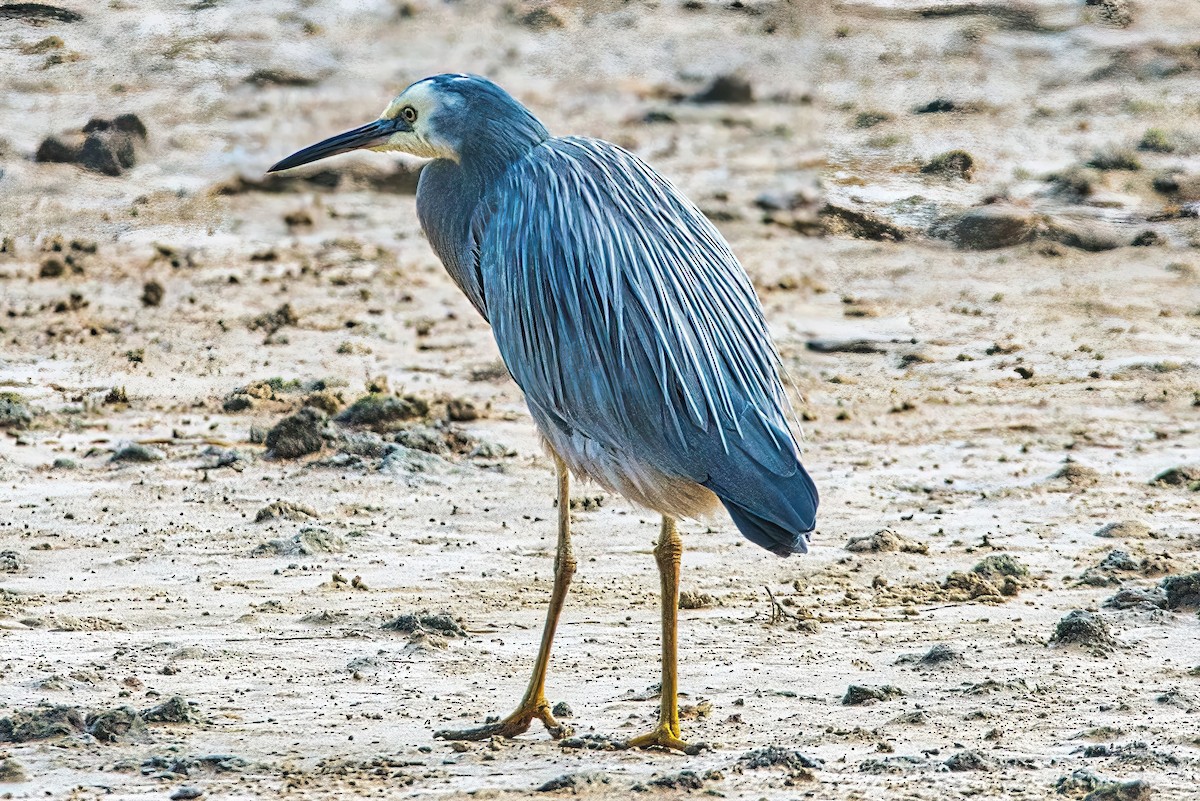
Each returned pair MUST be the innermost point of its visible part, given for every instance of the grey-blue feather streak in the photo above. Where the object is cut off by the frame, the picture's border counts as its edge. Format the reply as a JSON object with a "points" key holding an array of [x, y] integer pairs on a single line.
{"points": [[447, 198], [625, 318]]}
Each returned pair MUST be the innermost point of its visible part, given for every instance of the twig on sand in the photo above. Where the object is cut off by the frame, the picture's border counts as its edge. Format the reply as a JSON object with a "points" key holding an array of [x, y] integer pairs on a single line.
{"points": [[778, 613]]}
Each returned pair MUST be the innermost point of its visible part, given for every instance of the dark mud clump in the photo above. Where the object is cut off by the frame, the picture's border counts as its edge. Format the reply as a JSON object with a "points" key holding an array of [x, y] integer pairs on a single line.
{"points": [[592, 742], [271, 322], [461, 410], [104, 146], [285, 510], [381, 411], [1088, 236], [842, 221], [1124, 529], [1187, 475], [869, 119], [795, 763], [1080, 782], [276, 183], [1114, 158], [38, 13], [175, 709], [362, 443], [1108, 573], [1137, 754], [14, 412], [987, 228], [683, 780], [892, 765], [970, 760], [540, 19], [961, 586], [940, 655], [216, 457], [575, 782], [122, 724], [951, 164], [41, 723], [298, 435], [271, 389], [325, 400], [1182, 591], [998, 567], [270, 76], [1136, 790], [939, 105], [1138, 598], [857, 694], [1077, 475], [152, 293], [439, 440], [1086, 629], [12, 772], [884, 541], [309, 542], [425, 622], [696, 600], [726, 89], [11, 562], [845, 346], [137, 452], [992, 580], [1116, 13]]}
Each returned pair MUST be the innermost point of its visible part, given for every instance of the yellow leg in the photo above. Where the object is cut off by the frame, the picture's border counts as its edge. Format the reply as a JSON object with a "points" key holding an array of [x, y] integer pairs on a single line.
{"points": [[533, 703], [665, 734]]}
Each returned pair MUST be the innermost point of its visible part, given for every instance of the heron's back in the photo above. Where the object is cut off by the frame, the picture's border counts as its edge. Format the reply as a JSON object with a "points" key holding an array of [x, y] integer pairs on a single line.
{"points": [[638, 339]]}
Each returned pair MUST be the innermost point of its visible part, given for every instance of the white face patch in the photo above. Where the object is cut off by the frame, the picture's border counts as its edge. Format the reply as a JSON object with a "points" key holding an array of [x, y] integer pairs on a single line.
{"points": [[423, 141]]}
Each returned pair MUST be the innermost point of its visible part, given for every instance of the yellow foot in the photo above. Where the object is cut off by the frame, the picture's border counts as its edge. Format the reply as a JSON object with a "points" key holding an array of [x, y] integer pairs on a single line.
{"points": [[516, 723], [661, 736]]}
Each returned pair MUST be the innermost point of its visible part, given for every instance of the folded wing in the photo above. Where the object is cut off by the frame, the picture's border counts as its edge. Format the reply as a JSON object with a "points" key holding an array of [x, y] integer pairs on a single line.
{"points": [[627, 321]]}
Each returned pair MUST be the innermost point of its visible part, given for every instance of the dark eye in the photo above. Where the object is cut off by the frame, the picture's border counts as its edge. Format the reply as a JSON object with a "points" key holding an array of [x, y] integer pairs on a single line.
{"points": [[409, 113]]}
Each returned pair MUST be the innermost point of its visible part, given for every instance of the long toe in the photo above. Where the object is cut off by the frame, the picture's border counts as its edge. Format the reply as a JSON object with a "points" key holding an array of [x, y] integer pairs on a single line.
{"points": [[484, 732], [515, 724], [554, 728]]}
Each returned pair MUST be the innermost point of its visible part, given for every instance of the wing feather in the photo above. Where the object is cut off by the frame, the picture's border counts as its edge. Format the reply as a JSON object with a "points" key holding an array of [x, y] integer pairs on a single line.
{"points": [[626, 319]]}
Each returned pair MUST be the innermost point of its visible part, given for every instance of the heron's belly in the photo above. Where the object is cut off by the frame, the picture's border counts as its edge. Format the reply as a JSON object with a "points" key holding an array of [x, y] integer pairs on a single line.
{"points": [[624, 474]]}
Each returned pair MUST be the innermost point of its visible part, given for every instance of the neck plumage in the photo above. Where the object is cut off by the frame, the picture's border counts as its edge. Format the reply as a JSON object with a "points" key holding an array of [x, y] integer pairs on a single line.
{"points": [[486, 154], [450, 192]]}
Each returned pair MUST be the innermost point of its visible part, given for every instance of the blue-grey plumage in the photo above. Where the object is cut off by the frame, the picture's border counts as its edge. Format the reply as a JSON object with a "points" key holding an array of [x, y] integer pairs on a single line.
{"points": [[619, 309], [638, 340]]}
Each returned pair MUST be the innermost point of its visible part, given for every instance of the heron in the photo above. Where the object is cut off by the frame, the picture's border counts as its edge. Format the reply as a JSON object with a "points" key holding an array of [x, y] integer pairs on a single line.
{"points": [[631, 328]]}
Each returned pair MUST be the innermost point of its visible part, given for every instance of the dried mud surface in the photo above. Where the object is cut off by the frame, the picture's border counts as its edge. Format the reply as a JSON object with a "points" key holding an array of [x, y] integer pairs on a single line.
{"points": [[271, 511]]}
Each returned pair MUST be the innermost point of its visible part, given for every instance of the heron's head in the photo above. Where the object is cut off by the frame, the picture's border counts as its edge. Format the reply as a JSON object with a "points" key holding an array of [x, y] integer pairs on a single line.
{"points": [[449, 117]]}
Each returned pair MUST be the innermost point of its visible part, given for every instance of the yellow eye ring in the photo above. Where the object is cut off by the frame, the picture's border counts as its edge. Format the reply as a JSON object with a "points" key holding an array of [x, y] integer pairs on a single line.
{"points": [[409, 113]]}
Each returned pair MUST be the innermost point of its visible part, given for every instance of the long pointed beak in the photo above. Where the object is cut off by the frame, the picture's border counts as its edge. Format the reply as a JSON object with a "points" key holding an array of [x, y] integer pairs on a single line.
{"points": [[370, 135]]}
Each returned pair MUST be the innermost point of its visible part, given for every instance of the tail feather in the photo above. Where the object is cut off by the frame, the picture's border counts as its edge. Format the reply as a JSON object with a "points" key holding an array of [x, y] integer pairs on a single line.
{"points": [[775, 512], [764, 533]]}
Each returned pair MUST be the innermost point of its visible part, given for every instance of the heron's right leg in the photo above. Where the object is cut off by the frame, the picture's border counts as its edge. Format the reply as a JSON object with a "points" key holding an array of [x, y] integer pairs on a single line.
{"points": [[533, 703], [665, 734]]}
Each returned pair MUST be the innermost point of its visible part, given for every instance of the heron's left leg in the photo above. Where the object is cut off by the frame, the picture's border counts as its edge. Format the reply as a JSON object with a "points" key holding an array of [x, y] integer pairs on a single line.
{"points": [[668, 553], [533, 703]]}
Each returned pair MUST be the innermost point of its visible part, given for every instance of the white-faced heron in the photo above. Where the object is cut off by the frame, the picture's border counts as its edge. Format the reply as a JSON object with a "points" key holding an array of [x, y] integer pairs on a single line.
{"points": [[625, 318]]}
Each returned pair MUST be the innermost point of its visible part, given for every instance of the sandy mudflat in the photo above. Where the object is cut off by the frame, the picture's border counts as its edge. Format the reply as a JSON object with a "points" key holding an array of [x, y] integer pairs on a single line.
{"points": [[981, 399]]}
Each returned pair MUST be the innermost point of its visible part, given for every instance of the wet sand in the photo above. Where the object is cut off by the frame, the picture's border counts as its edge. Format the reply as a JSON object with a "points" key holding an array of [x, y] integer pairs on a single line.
{"points": [[974, 404]]}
